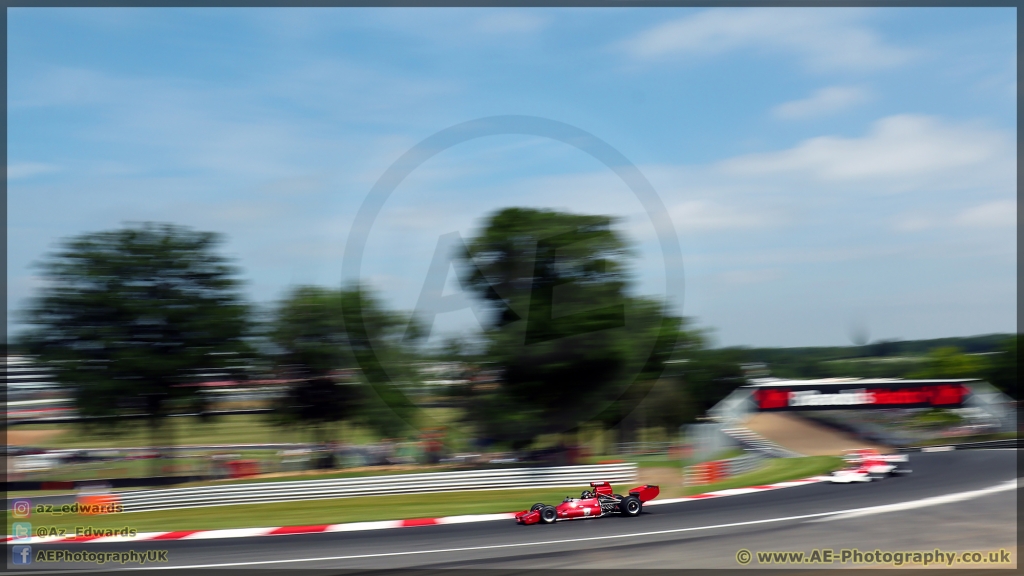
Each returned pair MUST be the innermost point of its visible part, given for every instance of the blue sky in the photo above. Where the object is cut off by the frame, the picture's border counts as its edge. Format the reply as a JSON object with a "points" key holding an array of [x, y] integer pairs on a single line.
{"points": [[825, 169]]}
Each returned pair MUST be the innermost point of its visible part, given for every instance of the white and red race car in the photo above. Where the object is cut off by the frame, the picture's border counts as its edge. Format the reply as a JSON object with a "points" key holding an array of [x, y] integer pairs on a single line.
{"points": [[866, 464]]}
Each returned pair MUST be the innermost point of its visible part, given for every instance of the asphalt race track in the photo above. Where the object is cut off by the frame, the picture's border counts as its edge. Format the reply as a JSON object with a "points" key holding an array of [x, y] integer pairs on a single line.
{"points": [[688, 534]]}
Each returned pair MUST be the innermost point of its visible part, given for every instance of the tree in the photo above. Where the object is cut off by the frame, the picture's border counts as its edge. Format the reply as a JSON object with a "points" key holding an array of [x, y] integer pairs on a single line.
{"points": [[129, 317], [345, 351], [568, 339], [950, 362], [377, 340], [309, 333], [711, 375], [1003, 371], [658, 397]]}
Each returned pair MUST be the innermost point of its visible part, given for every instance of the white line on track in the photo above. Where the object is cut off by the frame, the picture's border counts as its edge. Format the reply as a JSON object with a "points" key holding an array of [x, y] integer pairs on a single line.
{"points": [[923, 503], [837, 514]]}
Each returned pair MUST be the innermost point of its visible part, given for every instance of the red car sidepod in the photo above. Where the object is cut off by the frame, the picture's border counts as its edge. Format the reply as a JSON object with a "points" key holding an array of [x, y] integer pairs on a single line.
{"points": [[645, 492]]}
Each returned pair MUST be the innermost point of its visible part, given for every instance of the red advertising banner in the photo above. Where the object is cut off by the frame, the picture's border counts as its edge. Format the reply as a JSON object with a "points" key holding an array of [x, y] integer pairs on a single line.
{"points": [[860, 397]]}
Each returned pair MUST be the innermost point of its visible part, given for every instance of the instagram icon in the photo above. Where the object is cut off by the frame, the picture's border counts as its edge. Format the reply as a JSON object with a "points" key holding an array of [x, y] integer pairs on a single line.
{"points": [[21, 508]]}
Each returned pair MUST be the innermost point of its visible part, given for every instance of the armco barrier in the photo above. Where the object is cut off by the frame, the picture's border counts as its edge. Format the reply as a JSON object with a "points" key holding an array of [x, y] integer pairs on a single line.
{"points": [[271, 492]]}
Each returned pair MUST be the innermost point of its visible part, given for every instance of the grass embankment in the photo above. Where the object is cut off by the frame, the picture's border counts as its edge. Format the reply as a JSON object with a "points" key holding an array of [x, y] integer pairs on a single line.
{"points": [[368, 508], [660, 460], [953, 440], [777, 470]]}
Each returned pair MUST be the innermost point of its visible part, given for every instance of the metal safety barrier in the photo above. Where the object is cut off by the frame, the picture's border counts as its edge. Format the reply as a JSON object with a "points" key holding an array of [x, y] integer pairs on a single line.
{"points": [[717, 470], [746, 463], [272, 492]]}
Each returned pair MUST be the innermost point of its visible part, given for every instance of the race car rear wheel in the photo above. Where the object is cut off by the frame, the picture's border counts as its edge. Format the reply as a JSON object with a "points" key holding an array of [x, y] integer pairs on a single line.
{"points": [[537, 506], [548, 514], [630, 506]]}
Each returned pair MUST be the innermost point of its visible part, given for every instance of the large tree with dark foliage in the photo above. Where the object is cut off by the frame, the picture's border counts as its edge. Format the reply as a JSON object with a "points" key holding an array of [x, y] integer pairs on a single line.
{"points": [[567, 338], [309, 334], [344, 352], [128, 318], [377, 338]]}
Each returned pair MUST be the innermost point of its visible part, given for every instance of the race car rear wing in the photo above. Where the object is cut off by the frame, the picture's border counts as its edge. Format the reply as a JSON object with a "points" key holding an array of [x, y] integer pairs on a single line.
{"points": [[645, 492]]}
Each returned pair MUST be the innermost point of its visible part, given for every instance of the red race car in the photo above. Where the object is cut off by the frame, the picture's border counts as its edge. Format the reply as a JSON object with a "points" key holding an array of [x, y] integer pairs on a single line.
{"points": [[591, 504]]}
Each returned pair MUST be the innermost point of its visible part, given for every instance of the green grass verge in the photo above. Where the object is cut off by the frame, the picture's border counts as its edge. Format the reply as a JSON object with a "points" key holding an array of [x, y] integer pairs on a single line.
{"points": [[777, 470], [659, 460], [369, 508], [962, 439]]}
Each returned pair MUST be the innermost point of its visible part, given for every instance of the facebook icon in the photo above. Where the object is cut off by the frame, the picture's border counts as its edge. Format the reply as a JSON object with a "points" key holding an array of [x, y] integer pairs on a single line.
{"points": [[21, 555]]}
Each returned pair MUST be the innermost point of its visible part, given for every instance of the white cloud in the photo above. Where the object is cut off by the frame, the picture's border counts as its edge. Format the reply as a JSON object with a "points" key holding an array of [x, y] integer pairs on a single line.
{"points": [[824, 39], [897, 152], [824, 101], [21, 170], [1001, 213], [238, 130], [704, 216], [994, 214]]}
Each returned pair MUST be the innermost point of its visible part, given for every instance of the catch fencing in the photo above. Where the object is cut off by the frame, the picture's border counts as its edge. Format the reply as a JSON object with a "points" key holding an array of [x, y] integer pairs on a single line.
{"points": [[273, 492], [645, 447]]}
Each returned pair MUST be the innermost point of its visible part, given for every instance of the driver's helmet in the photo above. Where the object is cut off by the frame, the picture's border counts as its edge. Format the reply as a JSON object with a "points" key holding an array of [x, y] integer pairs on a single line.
{"points": [[567, 499]]}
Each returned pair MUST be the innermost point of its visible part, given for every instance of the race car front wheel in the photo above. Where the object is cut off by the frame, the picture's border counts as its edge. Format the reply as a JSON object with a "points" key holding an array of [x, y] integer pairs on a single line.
{"points": [[548, 514], [537, 506], [630, 506]]}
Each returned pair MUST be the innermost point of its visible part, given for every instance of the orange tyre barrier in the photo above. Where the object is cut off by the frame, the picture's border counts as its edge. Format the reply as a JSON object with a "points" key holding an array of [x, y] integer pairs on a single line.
{"points": [[93, 504]]}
